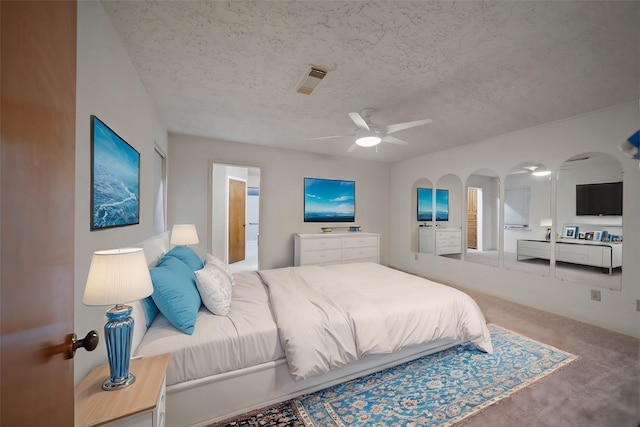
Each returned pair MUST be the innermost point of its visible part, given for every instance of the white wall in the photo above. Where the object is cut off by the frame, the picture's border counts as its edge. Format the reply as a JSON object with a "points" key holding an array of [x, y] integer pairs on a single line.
{"points": [[551, 145], [109, 87], [281, 191]]}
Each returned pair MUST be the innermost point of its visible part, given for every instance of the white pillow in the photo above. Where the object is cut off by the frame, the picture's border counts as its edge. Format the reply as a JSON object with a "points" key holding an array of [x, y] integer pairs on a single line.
{"points": [[215, 289], [217, 262]]}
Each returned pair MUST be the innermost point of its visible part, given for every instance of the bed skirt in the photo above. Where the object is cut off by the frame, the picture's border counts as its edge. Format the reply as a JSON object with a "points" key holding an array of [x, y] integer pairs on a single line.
{"points": [[206, 400]]}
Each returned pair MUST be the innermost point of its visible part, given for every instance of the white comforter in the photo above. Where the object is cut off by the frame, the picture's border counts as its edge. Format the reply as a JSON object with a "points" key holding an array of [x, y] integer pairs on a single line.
{"points": [[328, 316]]}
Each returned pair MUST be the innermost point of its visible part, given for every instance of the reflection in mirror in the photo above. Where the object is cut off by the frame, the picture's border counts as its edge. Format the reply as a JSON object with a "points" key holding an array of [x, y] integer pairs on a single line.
{"points": [[527, 219], [448, 216], [483, 208], [589, 220], [422, 216]]}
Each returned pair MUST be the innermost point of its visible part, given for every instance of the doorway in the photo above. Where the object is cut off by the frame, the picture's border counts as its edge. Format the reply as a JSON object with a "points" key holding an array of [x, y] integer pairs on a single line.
{"points": [[474, 218], [235, 212]]}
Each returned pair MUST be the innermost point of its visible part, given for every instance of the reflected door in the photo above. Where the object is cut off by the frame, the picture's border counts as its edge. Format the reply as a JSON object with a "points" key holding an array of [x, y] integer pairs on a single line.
{"points": [[472, 218]]}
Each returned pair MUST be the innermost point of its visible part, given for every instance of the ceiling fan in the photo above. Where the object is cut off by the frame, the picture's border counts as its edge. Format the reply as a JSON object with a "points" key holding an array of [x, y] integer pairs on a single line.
{"points": [[369, 134]]}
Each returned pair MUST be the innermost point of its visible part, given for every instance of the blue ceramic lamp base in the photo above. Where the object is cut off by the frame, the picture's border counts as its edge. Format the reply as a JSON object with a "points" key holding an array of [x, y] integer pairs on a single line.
{"points": [[118, 332]]}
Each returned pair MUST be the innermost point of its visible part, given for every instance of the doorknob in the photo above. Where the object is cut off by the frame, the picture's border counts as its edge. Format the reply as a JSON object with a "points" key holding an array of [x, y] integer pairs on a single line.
{"points": [[89, 343]]}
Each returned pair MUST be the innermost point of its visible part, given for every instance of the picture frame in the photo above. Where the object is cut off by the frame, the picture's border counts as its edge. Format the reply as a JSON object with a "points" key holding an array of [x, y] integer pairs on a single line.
{"points": [[588, 235], [597, 235], [329, 200], [115, 179], [570, 232], [581, 236]]}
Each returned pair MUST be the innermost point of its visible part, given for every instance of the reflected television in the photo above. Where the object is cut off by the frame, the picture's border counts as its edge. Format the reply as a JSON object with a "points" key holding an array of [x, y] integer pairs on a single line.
{"points": [[329, 200]]}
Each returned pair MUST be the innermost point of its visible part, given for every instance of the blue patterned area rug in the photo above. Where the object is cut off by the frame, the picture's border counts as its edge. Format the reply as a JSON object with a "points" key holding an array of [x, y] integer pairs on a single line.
{"points": [[436, 390]]}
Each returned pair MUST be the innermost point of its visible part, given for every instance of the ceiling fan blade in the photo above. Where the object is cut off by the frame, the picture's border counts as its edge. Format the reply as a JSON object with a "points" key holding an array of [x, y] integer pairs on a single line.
{"points": [[329, 137], [353, 147], [359, 121], [394, 140], [402, 126]]}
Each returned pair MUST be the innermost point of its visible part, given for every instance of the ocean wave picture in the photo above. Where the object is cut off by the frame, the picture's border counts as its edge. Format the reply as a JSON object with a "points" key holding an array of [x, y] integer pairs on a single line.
{"points": [[115, 179]]}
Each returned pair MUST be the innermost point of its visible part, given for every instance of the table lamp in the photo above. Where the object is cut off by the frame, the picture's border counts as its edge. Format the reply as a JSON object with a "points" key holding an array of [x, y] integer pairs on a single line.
{"points": [[184, 235], [547, 222], [118, 276]]}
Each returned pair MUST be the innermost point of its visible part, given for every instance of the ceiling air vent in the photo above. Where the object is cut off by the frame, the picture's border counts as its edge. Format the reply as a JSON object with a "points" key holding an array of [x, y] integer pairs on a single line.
{"points": [[311, 80]]}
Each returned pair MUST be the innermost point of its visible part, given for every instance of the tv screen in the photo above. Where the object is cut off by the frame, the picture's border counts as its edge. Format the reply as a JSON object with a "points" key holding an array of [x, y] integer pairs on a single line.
{"points": [[442, 205], [329, 200], [425, 204], [599, 199]]}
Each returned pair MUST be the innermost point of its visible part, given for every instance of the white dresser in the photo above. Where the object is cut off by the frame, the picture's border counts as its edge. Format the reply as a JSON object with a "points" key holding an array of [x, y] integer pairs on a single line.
{"points": [[585, 252], [448, 240], [333, 248]]}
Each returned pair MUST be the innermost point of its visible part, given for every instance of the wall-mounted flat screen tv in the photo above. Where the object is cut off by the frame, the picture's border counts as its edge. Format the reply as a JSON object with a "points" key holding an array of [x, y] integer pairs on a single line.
{"points": [[442, 205], [425, 204], [329, 200], [599, 199]]}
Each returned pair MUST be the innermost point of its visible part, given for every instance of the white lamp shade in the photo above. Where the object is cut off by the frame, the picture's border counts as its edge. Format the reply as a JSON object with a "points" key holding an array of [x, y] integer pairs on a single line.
{"points": [[117, 276], [546, 222], [184, 234]]}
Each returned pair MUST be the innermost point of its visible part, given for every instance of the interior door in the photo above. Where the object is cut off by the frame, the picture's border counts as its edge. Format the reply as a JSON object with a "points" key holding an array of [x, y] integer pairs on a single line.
{"points": [[472, 218], [237, 218], [37, 187]]}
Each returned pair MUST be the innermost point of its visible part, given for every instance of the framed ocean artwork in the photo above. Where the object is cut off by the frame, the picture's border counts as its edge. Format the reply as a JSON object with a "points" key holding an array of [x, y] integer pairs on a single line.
{"points": [[115, 179], [329, 200], [425, 204]]}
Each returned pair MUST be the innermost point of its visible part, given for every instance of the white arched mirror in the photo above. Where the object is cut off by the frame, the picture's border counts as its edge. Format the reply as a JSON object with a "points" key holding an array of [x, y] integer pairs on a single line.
{"points": [[527, 219], [448, 215], [589, 220], [422, 218], [482, 217]]}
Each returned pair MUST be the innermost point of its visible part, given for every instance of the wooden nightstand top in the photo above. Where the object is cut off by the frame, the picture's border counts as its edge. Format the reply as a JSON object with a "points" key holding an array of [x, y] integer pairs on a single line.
{"points": [[94, 406]]}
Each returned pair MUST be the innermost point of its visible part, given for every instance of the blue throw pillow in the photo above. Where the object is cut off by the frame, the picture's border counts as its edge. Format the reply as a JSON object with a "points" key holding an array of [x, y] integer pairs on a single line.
{"points": [[175, 293], [150, 310], [186, 255]]}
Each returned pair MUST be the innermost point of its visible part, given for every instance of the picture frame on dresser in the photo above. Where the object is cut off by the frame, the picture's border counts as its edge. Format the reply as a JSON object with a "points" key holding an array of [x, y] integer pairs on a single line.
{"points": [[570, 232]]}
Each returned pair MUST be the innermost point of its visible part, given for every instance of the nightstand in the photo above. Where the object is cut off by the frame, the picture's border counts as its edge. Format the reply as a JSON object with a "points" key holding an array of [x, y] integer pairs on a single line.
{"points": [[139, 405]]}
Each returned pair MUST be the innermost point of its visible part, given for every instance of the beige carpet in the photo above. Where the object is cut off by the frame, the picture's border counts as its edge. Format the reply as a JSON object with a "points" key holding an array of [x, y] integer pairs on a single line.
{"points": [[600, 389]]}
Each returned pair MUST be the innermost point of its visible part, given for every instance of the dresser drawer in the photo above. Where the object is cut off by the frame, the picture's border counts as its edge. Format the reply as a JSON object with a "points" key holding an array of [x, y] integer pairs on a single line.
{"points": [[321, 257], [447, 243], [359, 242], [316, 244], [352, 254], [450, 234]]}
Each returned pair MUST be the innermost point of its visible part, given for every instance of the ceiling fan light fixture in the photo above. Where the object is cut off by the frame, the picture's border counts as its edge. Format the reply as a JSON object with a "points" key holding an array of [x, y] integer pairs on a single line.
{"points": [[368, 140]]}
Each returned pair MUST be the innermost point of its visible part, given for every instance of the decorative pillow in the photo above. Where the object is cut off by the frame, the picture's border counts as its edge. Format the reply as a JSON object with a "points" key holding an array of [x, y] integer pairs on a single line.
{"points": [[150, 310], [186, 255], [217, 262], [215, 289], [175, 293]]}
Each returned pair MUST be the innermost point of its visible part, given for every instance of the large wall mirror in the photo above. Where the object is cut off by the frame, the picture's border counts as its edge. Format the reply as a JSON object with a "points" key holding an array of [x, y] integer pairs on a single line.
{"points": [[589, 230], [527, 219], [422, 218], [448, 216], [482, 217]]}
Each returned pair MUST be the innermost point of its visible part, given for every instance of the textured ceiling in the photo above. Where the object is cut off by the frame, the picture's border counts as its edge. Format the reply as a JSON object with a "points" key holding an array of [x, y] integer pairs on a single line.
{"points": [[229, 70]]}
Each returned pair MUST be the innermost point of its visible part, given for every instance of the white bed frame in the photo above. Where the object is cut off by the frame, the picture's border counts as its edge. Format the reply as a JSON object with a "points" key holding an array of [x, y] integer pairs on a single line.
{"points": [[215, 398]]}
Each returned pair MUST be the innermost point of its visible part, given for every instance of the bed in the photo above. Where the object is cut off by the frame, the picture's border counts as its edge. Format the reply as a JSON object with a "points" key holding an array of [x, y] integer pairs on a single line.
{"points": [[296, 330]]}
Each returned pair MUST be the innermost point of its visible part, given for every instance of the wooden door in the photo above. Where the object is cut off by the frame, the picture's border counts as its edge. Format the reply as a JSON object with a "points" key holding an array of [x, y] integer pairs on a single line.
{"points": [[237, 217], [472, 218], [37, 187]]}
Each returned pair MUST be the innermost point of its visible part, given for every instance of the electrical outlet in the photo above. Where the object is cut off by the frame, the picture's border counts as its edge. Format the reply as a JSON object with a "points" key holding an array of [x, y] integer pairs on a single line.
{"points": [[638, 305], [595, 295]]}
